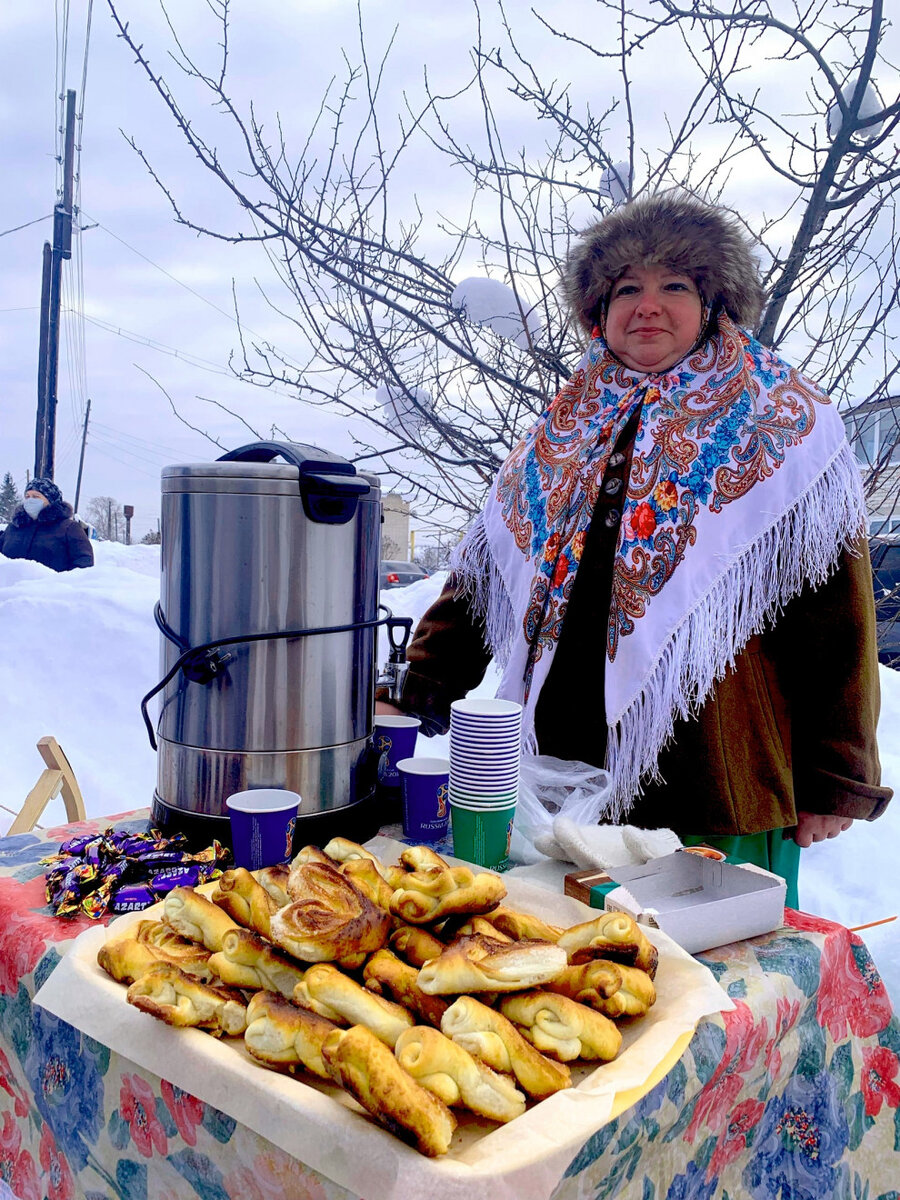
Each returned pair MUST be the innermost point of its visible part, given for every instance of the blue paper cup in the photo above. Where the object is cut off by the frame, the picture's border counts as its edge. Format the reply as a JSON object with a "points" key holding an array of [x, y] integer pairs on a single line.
{"points": [[425, 786], [262, 826], [395, 738]]}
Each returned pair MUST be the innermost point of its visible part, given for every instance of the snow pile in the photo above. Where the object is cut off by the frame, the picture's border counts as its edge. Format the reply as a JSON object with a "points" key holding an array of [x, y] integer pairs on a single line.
{"points": [[869, 106], [615, 182], [493, 304], [408, 406], [81, 649]]}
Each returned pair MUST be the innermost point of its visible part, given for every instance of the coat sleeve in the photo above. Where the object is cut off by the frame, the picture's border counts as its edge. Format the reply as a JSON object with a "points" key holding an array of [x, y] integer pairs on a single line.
{"points": [[829, 663], [78, 544], [447, 658]]}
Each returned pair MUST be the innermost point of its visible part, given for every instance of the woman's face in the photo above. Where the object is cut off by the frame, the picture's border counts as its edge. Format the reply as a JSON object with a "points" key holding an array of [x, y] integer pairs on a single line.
{"points": [[31, 494], [653, 318]]}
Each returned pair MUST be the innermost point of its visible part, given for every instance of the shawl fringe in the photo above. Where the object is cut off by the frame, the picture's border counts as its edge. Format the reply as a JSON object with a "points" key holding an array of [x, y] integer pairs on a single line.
{"points": [[801, 546], [482, 585]]}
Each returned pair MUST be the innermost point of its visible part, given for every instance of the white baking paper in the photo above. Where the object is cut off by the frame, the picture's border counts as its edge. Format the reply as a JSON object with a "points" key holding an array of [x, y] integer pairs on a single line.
{"points": [[326, 1129]]}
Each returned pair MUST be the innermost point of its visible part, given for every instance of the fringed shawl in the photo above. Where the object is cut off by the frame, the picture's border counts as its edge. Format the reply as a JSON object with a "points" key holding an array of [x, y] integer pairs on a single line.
{"points": [[742, 488]]}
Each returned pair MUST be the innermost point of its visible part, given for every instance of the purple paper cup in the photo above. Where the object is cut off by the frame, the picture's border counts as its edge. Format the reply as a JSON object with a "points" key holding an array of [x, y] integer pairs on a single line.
{"points": [[426, 811], [262, 826], [395, 738]]}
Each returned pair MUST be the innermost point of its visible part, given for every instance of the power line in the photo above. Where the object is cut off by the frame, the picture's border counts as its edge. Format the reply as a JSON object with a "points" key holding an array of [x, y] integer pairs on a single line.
{"points": [[168, 274], [16, 228], [230, 316], [142, 443]]}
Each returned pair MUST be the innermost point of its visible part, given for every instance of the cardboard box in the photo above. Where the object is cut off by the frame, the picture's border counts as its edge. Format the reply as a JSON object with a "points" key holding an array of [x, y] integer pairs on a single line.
{"points": [[581, 885], [698, 902]]}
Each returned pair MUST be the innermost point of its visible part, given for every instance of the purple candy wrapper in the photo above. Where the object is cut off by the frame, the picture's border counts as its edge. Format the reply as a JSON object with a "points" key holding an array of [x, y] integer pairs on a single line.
{"points": [[132, 898], [122, 871]]}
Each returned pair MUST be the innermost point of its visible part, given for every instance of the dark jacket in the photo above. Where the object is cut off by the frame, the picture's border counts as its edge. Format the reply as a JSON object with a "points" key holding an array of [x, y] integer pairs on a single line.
{"points": [[791, 727], [54, 539]]}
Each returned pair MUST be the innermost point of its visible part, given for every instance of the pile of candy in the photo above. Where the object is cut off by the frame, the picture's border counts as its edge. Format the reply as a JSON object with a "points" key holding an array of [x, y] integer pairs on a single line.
{"points": [[122, 872]]}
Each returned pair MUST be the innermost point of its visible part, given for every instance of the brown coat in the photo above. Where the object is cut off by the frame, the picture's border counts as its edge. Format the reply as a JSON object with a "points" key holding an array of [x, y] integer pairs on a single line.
{"points": [[791, 727]]}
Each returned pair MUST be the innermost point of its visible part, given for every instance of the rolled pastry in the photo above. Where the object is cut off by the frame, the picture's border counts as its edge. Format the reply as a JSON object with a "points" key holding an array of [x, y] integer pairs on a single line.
{"points": [[432, 893], [281, 1035], [196, 918], [522, 926], [455, 1077], [562, 1028], [480, 964], [126, 958], [613, 935], [247, 960], [495, 1041], [418, 858], [386, 973], [274, 880], [167, 993], [330, 919], [312, 854], [328, 986], [369, 1071], [365, 875], [342, 850], [171, 947], [611, 988], [417, 946], [245, 900], [472, 925]]}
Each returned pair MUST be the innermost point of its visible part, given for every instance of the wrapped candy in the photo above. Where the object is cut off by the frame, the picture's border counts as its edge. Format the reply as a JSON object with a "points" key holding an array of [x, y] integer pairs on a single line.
{"points": [[118, 871]]}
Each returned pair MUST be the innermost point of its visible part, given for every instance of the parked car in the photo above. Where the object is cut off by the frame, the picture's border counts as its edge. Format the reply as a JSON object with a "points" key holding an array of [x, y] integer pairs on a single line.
{"points": [[399, 574], [885, 553]]}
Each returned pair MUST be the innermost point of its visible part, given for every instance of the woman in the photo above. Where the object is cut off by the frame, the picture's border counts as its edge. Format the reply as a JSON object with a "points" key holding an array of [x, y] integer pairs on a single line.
{"points": [[42, 528], [671, 567]]}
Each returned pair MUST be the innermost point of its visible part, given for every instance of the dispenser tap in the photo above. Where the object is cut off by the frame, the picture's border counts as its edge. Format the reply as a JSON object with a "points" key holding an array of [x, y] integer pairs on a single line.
{"points": [[394, 672]]}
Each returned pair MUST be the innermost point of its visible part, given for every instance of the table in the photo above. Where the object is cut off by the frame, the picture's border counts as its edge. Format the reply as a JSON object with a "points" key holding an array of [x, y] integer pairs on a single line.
{"points": [[796, 1093]]}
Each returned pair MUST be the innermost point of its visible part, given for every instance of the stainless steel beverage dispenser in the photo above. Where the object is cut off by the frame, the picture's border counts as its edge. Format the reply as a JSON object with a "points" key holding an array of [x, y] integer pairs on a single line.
{"points": [[269, 615]]}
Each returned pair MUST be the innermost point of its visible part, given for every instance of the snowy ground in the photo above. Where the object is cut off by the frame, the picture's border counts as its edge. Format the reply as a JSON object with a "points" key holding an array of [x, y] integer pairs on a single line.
{"points": [[81, 649]]}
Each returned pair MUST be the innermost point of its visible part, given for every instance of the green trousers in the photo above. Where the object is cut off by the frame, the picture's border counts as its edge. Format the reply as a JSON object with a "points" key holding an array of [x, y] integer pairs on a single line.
{"points": [[770, 850]]}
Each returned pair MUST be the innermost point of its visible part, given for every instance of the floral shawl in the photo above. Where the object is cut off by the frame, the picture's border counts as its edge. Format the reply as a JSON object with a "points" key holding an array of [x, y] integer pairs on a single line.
{"points": [[742, 488]]}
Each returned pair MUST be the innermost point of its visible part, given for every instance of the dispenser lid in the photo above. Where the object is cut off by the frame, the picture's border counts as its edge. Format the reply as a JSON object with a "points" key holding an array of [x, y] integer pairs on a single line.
{"points": [[328, 484]]}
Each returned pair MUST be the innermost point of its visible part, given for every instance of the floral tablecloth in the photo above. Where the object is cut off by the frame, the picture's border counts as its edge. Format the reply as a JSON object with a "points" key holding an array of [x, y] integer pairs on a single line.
{"points": [[795, 1094]]}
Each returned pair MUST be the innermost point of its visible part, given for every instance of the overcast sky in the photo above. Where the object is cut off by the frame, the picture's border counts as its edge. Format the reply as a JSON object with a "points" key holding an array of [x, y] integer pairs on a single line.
{"points": [[156, 299]]}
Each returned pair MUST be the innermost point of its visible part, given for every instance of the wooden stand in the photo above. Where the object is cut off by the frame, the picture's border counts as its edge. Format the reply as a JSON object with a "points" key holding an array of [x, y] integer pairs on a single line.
{"points": [[57, 777]]}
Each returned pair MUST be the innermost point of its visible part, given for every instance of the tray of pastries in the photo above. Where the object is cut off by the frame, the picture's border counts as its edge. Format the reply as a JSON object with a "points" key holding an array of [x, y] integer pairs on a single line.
{"points": [[409, 992]]}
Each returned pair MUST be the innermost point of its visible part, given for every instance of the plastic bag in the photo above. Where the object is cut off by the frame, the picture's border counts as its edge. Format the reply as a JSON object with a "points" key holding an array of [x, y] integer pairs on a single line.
{"points": [[550, 787]]}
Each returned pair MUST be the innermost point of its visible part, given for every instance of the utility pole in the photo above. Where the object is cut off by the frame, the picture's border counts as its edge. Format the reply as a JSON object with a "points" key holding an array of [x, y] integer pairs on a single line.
{"points": [[51, 290], [87, 415], [129, 513], [41, 422]]}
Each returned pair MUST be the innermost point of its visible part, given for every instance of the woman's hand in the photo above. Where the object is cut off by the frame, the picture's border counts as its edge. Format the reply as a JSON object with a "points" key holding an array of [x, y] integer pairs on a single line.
{"points": [[384, 708], [816, 827]]}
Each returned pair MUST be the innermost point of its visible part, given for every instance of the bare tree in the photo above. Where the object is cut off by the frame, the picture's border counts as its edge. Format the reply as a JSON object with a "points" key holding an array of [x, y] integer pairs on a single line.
{"points": [[107, 516], [372, 282]]}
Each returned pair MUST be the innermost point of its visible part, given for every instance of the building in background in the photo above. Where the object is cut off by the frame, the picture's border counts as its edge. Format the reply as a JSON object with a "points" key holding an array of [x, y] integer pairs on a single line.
{"points": [[873, 429], [395, 530]]}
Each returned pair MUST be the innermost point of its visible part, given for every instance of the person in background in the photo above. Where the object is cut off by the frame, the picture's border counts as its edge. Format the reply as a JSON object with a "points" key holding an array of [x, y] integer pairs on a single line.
{"points": [[43, 529], [671, 567]]}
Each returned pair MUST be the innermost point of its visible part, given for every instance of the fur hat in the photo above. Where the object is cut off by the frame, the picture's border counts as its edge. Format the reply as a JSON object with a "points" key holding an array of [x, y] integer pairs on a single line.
{"points": [[46, 487], [670, 229]]}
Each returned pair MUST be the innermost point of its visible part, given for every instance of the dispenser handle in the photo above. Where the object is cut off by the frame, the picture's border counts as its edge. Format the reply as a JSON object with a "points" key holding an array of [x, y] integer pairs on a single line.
{"points": [[329, 485]]}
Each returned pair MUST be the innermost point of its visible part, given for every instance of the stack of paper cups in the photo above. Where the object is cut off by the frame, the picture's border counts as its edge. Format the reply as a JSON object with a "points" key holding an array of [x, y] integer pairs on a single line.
{"points": [[485, 749]]}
